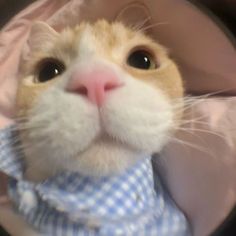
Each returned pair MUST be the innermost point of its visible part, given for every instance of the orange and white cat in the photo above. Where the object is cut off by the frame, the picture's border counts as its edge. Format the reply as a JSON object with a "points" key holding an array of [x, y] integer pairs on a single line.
{"points": [[94, 98]]}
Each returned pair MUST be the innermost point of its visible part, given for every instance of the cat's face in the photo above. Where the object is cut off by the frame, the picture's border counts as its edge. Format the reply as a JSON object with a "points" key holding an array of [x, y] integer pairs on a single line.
{"points": [[96, 98]]}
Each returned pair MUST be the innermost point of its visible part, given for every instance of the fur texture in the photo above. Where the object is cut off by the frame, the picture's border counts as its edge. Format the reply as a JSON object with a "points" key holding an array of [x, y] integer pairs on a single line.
{"points": [[63, 130]]}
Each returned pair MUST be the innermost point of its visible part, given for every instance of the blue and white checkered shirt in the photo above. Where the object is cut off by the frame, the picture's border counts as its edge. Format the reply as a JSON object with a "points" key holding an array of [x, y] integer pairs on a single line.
{"points": [[131, 204]]}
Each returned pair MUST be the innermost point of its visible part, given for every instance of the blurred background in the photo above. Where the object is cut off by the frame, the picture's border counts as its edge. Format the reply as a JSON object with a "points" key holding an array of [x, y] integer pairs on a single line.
{"points": [[224, 9]]}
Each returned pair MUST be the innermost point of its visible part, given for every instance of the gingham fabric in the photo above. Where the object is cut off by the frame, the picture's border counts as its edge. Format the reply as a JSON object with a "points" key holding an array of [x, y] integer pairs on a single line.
{"points": [[131, 204]]}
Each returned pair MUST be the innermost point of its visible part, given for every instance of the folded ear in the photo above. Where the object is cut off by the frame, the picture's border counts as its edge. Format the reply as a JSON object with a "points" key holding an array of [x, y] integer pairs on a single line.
{"points": [[135, 15], [41, 37]]}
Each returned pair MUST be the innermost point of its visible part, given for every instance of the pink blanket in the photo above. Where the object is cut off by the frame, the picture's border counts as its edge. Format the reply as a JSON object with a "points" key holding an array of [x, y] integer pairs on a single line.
{"points": [[200, 171]]}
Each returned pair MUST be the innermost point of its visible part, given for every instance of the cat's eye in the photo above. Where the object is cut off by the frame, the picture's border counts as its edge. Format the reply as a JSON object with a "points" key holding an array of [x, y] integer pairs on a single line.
{"points": [[48, 69], [142, 59]]}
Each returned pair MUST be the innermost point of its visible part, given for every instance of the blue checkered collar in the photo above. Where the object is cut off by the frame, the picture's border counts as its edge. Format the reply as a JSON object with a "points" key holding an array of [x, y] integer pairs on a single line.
{"points": [[133, 203], [108, 199]]}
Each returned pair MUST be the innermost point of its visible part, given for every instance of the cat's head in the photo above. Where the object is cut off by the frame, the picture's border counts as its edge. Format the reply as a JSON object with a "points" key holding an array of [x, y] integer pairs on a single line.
{"points": [[96, 97]]}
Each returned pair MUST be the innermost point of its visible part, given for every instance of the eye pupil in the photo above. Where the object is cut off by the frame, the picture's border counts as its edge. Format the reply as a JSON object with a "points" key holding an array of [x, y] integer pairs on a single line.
{"points": [[147, 61], [141, 60], [49, 69]]}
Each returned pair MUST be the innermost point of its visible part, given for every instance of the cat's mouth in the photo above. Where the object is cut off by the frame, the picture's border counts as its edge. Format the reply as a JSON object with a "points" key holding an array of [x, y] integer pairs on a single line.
{"points": [[105, 136], [108, 138]]}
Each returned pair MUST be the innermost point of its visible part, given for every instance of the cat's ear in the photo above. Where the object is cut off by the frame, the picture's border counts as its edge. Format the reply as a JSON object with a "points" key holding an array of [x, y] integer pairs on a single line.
{"points": [[135, 15], [41, 37]]}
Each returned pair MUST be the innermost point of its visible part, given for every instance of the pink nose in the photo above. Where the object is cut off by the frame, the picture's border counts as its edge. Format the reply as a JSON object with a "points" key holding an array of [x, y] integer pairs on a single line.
{"points": [[93, 84]]}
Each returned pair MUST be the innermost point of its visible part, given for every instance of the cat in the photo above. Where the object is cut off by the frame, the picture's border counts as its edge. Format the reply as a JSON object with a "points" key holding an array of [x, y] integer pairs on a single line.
{"points": [[94, 104], [93, 98]]}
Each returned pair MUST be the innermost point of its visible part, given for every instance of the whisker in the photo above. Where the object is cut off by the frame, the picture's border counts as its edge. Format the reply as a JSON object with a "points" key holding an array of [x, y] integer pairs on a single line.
{"points": [[196, 121], [154, 25], [191, 101], [138, 26], [194, 146], [211, 94], [192, 130]]}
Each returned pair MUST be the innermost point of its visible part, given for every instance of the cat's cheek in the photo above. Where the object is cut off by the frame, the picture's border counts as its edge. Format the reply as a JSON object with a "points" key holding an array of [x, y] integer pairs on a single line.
{"points": [[139, 115], [60, 126]]}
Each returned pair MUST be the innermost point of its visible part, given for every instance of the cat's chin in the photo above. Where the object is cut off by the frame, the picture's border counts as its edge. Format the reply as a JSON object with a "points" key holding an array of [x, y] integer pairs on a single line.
{"points": [[105, 157]]}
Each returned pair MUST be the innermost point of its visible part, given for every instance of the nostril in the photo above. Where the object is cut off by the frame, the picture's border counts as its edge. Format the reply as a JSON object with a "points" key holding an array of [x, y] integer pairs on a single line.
{"points": [[110, 86], [94, 85], [82, 90]]}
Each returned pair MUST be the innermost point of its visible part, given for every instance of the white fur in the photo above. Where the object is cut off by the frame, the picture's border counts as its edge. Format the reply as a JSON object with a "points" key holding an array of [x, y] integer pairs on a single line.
{"points": [[87, 38], [74, 134]]}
